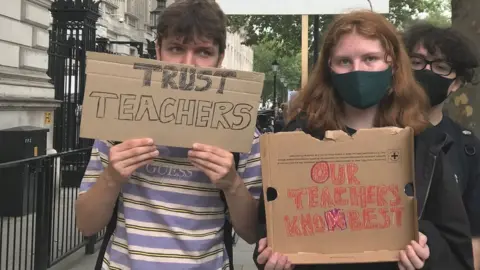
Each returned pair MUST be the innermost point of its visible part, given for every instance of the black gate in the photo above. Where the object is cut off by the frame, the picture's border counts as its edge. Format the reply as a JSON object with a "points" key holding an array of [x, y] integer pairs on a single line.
{"points": [[72, 34]]}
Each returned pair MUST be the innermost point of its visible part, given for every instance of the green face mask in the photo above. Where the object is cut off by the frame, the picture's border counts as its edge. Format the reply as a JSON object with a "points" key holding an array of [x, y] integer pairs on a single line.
{"points": [[362, 89]]}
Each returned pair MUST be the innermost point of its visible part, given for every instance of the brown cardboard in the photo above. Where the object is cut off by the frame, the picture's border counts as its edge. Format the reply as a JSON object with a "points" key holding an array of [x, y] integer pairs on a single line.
{"points": [[304, 172], [176, 105]]}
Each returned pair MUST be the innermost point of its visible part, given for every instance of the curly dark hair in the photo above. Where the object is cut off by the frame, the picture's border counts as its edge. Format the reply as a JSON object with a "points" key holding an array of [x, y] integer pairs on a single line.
{"points": [[456, 49], [194, 19]]}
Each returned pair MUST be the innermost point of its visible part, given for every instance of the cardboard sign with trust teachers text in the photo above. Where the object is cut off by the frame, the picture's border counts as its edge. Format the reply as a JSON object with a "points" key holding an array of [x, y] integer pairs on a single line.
{"points": [[176, 105], [341, 199]]}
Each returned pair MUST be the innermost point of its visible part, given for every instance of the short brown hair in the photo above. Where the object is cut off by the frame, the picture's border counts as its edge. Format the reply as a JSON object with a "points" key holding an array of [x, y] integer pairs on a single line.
{"points": [[407, 105], [194, 19]]}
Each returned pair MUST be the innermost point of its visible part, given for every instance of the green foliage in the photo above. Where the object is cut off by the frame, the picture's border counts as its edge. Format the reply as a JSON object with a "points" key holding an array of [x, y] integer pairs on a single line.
{"points": [[286, 30], [439, 20], [279, 37], [289, 68], [441, 16]]}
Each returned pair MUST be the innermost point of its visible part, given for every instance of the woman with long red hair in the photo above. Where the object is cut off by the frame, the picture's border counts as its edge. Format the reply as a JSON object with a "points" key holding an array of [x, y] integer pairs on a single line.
{"points": [[363, 79]]}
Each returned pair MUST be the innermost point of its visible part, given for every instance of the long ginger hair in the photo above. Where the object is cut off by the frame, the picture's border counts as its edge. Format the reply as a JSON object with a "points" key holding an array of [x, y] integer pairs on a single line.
{"points": [[407, 103]]}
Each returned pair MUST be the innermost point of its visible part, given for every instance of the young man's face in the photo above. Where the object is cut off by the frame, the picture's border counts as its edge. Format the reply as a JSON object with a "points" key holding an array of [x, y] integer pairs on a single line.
{"points": [[439, 65], [201, 52]]}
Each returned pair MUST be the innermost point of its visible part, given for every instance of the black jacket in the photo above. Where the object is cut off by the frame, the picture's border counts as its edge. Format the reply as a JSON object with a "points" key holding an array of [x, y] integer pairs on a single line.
{"points": [[442, 217], [465, 161]]}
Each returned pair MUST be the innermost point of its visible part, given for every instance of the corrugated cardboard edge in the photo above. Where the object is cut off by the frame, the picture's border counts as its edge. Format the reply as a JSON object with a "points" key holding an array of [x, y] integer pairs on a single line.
{"points": [[340, 135], [130, 60], [363, 257], [416, 237], [415, 202], [264, 159], [313, 258], [412, 176]]}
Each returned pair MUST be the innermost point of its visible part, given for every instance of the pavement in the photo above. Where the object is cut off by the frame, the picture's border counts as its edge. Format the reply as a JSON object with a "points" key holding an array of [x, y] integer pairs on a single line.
{"points": [[17, 234], [242, 256]]}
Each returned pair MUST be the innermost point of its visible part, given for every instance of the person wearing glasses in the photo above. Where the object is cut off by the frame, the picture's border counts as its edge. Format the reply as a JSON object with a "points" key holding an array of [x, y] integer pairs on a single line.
{"points": [[443, 62]]}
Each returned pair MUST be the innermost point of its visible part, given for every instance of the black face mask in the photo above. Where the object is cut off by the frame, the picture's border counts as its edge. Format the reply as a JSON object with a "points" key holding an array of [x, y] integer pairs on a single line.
{"points": [[435, 85]]}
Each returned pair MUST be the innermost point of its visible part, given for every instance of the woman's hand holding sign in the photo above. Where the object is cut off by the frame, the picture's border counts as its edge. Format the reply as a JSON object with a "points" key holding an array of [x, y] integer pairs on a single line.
{"points": [[272, 261], [128, 156], [217, 164], [414, 255]]}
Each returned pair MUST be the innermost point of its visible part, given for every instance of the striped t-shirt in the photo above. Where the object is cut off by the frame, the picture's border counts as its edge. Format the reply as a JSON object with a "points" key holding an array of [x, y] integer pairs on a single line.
{"points": [[170, 215]]}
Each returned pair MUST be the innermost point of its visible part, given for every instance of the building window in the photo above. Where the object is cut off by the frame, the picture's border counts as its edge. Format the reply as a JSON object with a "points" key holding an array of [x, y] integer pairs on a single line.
{"points": [[132, 22], [109, 10]]}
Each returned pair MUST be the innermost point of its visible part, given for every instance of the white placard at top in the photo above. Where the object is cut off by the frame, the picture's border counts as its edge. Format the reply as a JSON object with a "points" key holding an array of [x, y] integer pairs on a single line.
{"points": [[299, 7]]}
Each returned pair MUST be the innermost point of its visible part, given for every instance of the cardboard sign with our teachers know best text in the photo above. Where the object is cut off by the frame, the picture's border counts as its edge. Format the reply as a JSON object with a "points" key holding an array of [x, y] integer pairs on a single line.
{"points": [[176, 105], [341, 199]]}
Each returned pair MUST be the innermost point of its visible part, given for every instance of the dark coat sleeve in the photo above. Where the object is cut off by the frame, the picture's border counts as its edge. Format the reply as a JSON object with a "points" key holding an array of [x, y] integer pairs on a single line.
{"points": [[468, 146], [471, 197], [445, 223]]}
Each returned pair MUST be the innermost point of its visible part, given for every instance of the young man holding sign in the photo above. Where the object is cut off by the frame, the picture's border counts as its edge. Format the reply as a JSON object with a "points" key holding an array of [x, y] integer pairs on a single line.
{"points": [[170, 214]]}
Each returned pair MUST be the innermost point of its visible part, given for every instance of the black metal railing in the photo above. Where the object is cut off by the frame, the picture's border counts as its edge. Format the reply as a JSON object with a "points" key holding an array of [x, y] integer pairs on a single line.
{"points": [[37, 210]]}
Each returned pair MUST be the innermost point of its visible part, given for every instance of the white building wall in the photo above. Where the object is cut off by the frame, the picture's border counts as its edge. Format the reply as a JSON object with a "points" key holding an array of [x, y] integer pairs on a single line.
{"points": [[237, 56], [26, 96], [126, 20]]}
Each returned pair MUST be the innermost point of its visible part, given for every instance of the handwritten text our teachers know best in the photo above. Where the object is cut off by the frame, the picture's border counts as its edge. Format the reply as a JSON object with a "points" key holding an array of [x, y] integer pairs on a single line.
{"points": [[345, 205], [180, 111]]}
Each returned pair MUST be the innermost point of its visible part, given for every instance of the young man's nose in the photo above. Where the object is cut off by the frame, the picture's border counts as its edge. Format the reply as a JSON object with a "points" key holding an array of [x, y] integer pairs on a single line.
{"points": [[189, 58]]}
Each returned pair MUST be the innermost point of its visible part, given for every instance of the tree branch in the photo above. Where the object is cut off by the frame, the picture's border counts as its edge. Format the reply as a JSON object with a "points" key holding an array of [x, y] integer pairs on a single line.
{"points": [[370, 3]]}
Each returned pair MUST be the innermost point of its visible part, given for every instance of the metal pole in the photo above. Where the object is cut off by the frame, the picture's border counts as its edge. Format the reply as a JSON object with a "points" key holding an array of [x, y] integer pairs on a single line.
{"points": [[275, 90], [42, 238]]}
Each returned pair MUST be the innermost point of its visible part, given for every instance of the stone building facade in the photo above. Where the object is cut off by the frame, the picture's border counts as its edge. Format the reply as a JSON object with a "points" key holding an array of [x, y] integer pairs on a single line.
{"points": [[26, 96]]}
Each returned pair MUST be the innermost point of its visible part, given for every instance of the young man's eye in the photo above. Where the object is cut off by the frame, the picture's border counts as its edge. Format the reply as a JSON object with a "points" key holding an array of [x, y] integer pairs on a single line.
{"points": [[205, 53], [443, 66], [175, 49]]}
